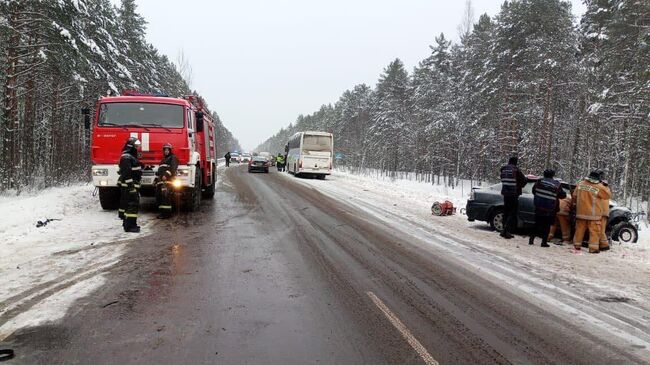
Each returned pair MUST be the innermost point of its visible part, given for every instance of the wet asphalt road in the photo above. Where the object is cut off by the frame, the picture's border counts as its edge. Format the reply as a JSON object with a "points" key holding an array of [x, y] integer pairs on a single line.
{"points": [[273, 272]]}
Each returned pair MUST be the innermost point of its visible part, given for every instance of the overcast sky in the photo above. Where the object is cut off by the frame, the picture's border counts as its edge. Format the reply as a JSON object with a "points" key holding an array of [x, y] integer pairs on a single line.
{"points": [[261, 63]]}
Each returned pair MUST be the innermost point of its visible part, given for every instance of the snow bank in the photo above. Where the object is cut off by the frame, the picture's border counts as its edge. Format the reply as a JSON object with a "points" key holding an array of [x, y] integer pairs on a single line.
{"points": [[620, 271], [37, 263]]}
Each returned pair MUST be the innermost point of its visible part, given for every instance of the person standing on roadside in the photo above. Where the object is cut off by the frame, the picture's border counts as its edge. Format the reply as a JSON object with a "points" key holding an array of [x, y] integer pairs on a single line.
{"points": [[165, 175], [227, 158], [604, 209], [512, 181], [589, 217], [547, 191], [130, 175], [279, 161]]}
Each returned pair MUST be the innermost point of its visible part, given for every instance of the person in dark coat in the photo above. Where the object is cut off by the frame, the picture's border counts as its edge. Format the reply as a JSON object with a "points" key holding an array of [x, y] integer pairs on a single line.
{"points": [[227, 157], [164, 178], [512, 181], [130, 176], [547, 193]]}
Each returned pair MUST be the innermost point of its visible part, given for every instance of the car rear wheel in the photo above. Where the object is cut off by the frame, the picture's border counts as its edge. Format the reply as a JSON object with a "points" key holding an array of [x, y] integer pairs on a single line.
{"points": [[625, 232], [496, 220]]}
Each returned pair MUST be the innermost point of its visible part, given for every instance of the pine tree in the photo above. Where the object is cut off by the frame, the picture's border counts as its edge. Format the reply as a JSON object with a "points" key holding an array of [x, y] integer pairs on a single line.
{"points": [[390, 136]]}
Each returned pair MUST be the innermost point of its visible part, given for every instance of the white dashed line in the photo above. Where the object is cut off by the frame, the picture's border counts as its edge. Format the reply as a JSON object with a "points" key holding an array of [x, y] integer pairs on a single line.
{"points": [[417, 346]]}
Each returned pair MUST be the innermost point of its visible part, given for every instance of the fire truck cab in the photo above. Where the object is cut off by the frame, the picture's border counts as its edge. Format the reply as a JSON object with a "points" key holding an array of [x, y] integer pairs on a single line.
{"points": [[154, 120]]}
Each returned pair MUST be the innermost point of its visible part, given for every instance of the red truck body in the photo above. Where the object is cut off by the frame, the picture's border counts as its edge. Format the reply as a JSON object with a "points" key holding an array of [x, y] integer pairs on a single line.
{"points": [[154, 120]]}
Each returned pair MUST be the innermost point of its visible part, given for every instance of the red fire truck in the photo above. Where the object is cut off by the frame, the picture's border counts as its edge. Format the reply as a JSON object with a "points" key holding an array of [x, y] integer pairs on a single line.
{"points": [[154, 120]]}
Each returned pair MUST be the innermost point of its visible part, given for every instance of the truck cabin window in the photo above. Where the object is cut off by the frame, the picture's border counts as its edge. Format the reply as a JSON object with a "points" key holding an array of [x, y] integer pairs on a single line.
{"points": [[141, 114]]}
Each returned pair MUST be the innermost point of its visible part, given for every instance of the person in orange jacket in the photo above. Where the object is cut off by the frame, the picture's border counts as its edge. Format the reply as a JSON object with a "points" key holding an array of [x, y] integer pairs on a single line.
{"points": [[604, 208], [589, 215], [563, 221]]}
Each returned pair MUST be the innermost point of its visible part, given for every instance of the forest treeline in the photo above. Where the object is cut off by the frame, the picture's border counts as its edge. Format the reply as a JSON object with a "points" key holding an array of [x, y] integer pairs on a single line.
{"points": [[562, 93], [58, 56]]}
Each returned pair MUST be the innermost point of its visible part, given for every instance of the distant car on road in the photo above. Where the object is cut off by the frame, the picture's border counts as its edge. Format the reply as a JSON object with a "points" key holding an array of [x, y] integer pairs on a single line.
{"points": [[265, 155], [245, 157], [486, 204], [258, 163], [234, 157]]}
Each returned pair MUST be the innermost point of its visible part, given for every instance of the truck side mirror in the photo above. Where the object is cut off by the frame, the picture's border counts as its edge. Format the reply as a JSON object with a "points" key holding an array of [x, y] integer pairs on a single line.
{"points": [[199, 121], [286, 148], [86, 114]]}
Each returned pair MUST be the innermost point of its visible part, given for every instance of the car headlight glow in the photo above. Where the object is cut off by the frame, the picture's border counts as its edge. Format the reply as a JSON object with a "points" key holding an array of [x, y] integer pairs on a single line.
{"points": [[100, 172], [176, 183]]}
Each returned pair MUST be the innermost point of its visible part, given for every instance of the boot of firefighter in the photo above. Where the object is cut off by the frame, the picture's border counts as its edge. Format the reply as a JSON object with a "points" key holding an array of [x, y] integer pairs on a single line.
{"points": [[603, 245], [545, 242], [131, 224]]}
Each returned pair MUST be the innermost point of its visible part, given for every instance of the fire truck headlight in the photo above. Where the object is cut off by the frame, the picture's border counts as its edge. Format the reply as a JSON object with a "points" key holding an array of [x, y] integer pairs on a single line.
{"points": [[176, 184], [183, 172], [100, 172]]}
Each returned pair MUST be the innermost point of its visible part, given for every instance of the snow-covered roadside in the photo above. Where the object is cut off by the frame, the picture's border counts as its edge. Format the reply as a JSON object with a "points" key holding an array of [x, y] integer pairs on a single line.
{"points": [[609, 292], [623, 269], [62, 259]]}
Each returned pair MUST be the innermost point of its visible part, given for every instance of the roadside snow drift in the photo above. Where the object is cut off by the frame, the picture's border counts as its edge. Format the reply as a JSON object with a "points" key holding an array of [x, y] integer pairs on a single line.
{"points": [[64, 258]]}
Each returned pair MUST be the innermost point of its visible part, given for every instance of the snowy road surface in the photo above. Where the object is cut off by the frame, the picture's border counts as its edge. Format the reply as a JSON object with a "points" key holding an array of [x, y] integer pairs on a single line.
{"points": [[279, 270]]}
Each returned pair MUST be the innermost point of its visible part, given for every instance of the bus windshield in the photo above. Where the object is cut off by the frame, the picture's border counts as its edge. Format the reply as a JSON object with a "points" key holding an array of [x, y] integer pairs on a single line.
{"points": [[141, 114], [316, 143]]}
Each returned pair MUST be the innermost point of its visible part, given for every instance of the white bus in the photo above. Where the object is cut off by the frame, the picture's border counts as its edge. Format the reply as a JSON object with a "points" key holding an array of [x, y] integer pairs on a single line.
{"points": [[310, 153]]}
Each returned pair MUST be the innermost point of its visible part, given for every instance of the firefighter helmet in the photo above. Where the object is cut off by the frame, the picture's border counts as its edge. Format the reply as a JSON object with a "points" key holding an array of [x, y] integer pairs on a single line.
{"points": [[133, 141], [168, 146]]}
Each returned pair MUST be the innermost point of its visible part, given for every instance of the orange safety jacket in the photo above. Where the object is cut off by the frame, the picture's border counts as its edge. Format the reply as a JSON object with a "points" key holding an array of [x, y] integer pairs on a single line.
{"points": [[604, 203], [587, 198], [565, 206]]}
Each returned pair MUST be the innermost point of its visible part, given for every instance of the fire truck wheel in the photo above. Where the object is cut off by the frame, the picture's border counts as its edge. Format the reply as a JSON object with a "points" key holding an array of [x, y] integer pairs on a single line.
{"points": [[208, 191], [109, 198], [193, 197]]}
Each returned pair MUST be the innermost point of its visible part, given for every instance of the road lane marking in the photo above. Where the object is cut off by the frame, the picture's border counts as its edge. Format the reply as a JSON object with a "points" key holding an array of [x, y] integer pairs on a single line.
{"points": [[415, 344]]}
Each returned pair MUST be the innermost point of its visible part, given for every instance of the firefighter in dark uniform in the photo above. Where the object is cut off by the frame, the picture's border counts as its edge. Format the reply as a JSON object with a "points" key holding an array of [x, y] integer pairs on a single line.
{"points": [[123, 190], [130, 176], [165, 175], [512, 181], [547, 192]]}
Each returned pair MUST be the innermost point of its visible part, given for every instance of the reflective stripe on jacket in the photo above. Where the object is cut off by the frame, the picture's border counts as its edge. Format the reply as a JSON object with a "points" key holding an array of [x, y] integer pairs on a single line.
{"points": [[512, 180], [168, 166], [130, 169], [546, 192]]}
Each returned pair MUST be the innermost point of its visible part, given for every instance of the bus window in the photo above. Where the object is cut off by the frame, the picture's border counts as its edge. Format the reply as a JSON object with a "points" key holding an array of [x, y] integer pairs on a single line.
{"points": [[317, 143]]}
